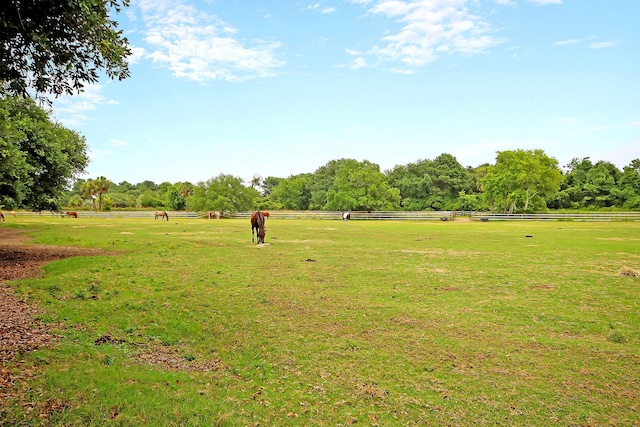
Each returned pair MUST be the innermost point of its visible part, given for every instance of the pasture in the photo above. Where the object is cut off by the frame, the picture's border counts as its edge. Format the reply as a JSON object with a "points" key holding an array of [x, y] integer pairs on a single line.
{"points": [[375, 323]]}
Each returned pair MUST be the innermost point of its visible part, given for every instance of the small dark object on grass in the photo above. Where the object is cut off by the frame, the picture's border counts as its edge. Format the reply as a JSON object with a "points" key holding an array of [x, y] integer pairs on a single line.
{"points": [[629, 272], [106, 339], [484, 219], [528, 236], [309, 260]]}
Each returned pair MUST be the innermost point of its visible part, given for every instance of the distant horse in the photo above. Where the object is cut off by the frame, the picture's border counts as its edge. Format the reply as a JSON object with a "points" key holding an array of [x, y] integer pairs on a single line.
{"points": [[346, 216], [1, 216], [72, 214], [257, 223], [214, 214], [162, 215]]}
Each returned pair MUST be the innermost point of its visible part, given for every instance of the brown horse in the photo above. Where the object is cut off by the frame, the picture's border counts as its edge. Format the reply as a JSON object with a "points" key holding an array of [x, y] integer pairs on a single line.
{"points": [[214, 214], [257, 223], [162, 215], [72, 214], [1, 216]]}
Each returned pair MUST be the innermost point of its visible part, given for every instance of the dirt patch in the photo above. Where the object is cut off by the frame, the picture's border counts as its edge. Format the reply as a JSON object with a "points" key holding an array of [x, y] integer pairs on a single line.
{"points": [[19, 330], [19, 259]]}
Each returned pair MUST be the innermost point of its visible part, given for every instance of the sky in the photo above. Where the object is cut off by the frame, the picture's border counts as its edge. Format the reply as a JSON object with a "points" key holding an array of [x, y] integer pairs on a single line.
{"points": [[279, 88]]}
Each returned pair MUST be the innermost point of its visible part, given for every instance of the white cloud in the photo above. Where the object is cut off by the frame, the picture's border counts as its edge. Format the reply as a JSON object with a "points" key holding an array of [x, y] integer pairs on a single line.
{"points": [[566, 42], [402, 71], [71, 109], [544, 2], [118, 143], [198, 46], [602, 45], [318, 6], [137, 53], [357, 63], [429, 29]]}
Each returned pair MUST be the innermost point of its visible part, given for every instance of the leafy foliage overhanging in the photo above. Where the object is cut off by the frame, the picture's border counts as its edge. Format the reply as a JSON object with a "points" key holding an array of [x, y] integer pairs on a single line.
{"points": [[57, 47]]}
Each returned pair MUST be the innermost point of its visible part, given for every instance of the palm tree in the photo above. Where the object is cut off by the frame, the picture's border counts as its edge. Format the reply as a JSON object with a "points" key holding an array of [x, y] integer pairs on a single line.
{"points": [[88, 191], [101, 185], [186, 190]]}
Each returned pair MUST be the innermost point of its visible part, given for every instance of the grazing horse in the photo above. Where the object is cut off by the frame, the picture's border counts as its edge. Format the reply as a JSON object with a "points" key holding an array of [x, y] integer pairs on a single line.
{"points": [[72, 214], [162, 215], [214, 214], [346, 216], [257, 223]]}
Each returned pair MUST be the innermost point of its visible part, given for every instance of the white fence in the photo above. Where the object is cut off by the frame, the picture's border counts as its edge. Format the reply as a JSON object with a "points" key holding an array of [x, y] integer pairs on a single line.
{"points": [[617, 216], [361, 215], [114, 214], [357, 215]]}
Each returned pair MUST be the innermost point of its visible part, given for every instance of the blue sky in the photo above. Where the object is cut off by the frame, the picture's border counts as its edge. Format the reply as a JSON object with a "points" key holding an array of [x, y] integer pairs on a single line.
{"points": [[278, 88]]}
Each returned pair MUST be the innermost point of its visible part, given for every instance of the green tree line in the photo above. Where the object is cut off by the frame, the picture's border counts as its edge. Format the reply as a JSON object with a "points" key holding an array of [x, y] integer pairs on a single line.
{"points": [[41, 163], [519, 181]]}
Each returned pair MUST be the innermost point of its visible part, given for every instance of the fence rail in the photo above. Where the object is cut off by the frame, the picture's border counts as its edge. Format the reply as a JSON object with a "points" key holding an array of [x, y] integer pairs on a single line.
{"points": [[611, 216], [359, 215], [113, 214]]}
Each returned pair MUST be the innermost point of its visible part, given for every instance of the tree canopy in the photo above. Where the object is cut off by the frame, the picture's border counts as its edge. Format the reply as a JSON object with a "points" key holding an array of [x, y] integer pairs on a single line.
{"points": [[38, 157], [222, 193], [56, 47], [520, 177]]}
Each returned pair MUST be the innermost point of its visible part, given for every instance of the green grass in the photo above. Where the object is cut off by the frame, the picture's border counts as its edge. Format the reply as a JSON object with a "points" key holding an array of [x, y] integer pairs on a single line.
{"points": [[375, 323]]}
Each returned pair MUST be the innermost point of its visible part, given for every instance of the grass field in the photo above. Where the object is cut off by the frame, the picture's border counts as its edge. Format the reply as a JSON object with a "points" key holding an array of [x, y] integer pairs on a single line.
{"points": [[374, 323]]}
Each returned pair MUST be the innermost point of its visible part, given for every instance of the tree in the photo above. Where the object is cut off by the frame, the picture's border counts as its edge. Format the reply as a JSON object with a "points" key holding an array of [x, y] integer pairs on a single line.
{"points": [[185, 189], [38, 157], [223, 193], [268, 184], [149, 199], [572, 191], [521, 176], [322, 180], [630, 184], [431, 184], [174, 201], [101, 186], [600, 188], [56, 47], [361, 186], [292, 193], [88, 190]]}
